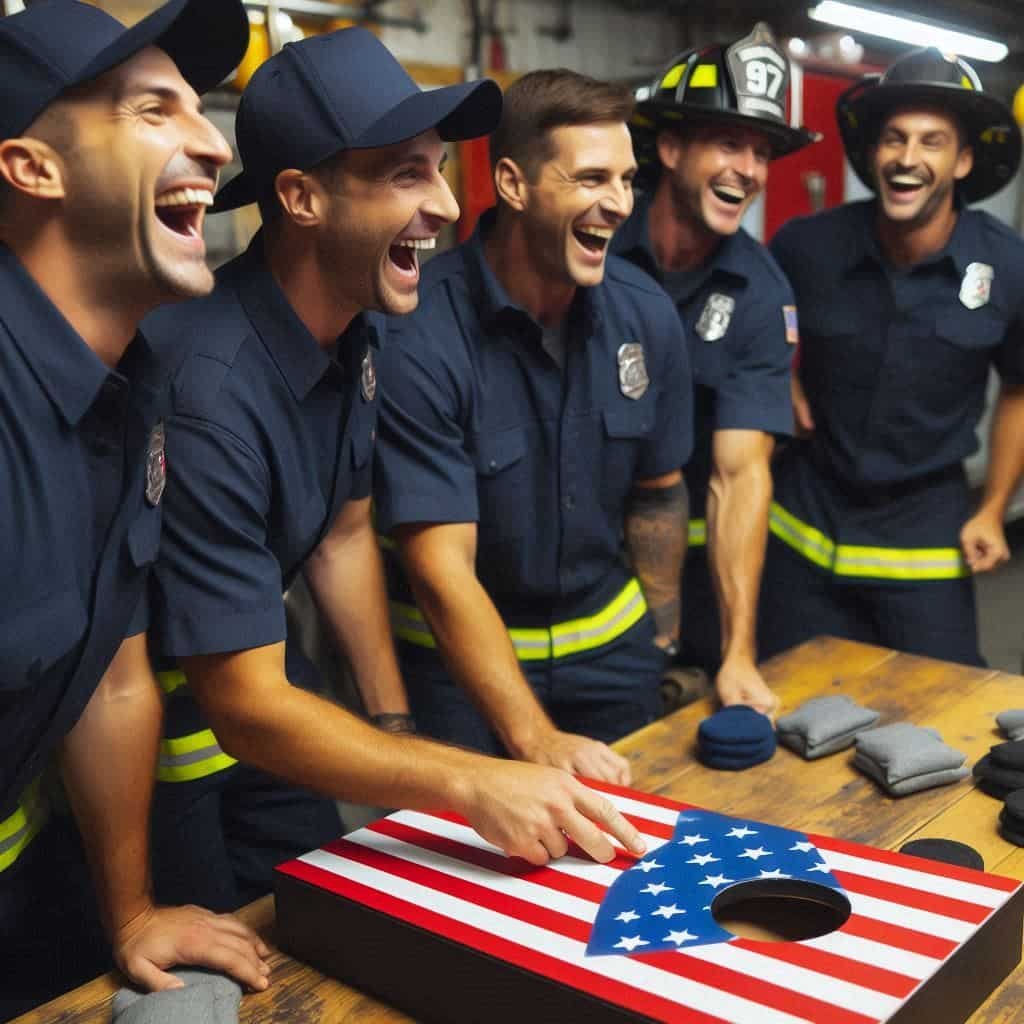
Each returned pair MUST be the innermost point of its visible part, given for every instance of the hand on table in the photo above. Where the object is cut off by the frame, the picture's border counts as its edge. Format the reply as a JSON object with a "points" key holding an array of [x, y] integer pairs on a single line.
{"points": [[739, 682], [151, 943], [983, 541], [533, 811], [579, 755]]}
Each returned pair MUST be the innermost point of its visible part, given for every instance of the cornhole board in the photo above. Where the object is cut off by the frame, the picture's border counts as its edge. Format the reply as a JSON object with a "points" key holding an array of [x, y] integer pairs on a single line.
{"points": [[424, 914]]}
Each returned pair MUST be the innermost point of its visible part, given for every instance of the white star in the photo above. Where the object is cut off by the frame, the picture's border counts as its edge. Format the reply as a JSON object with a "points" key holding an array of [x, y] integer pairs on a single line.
{"points": [[691, 840], [740, 833], [708, 907], [803, 847], [647, 865], [630, 943], [667, 912], [677, 937], [656, 889], [715, 881], [627, 916], [703, 858], [755, 854], [822, 867], [774, 874]]}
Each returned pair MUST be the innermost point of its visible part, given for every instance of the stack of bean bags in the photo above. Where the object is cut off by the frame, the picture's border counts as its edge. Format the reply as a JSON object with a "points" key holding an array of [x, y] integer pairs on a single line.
{"points": [[904, 758], [1000, 773], [735, 738], [824, 725]]}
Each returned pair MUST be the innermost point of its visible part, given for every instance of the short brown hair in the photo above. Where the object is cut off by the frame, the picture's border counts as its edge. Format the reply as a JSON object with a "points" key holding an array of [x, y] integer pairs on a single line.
{"points": [[541, 101]]}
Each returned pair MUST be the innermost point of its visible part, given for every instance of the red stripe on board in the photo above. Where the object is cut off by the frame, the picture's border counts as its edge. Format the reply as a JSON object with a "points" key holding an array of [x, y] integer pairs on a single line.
{"points": [[643, 798], [725, 979], [569, 975], [833, 965], [657, 829], [868, 928], [902, 938], [970, 913], [925, 866]]}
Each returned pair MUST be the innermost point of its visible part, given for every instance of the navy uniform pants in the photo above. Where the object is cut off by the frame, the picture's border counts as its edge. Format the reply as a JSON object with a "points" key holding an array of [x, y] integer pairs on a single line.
{"points": [[217, 839], [51, 939], [605, 694], [933, 618], [700, 641]]}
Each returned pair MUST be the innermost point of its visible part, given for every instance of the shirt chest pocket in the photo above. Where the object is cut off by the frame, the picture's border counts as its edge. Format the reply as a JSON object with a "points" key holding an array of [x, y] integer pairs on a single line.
{"points": [[36, 637], [502, 482], [840, 355], [626, 430], [964, 344]]}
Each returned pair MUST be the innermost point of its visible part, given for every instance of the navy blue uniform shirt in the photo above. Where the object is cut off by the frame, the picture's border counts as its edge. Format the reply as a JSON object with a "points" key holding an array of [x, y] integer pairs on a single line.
{"points": [[733, 311], [77, 534], [893, 361], [268, 437], [480, 424]]}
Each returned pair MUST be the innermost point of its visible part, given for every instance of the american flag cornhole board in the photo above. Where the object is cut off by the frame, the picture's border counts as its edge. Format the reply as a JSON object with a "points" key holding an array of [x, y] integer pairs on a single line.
{"points": [[420, 911]]}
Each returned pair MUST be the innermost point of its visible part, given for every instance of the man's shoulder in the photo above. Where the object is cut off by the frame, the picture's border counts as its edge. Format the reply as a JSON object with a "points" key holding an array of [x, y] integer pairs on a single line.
{"points": [[811, 228], [1006, 241], [443, 290], [197, 345], [624, 276], [764, 275]]}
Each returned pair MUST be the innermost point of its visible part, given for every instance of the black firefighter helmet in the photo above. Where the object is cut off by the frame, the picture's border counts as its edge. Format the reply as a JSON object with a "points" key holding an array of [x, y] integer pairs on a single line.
{"points": [[745, 83], [930, 79]]}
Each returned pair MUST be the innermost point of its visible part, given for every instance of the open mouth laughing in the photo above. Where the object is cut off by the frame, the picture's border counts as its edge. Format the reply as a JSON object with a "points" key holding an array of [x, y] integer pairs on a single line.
{"points": [[404, 253], [593, 238], [181, 210], [731, 194], [904, 185]]}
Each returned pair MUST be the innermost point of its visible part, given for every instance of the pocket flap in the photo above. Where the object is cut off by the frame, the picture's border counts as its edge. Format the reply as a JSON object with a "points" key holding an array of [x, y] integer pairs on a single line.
{"points": [[631, 422], [499, 451]]}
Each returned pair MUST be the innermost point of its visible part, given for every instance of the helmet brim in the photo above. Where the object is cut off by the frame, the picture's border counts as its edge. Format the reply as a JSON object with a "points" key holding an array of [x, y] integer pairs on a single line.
{"points": [[989, 125]]}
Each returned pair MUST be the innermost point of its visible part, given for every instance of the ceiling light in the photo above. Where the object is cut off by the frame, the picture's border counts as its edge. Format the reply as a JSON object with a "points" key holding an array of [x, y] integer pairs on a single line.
{"points": [[907, 30]]}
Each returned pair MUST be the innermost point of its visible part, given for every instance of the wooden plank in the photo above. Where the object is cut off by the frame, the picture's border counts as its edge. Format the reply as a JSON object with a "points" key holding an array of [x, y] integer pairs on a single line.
{"points": [[663, 749]]}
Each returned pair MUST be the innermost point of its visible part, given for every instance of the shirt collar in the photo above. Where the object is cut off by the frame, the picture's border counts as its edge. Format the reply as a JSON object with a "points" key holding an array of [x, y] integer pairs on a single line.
{"points": [[298, 357], [635, 245], [493, 303], [67, 369], [862, 246]]}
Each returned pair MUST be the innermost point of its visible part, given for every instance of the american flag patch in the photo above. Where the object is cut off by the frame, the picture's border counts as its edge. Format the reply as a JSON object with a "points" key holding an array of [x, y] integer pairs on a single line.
{"points": [[430, 875], [792, 328]]}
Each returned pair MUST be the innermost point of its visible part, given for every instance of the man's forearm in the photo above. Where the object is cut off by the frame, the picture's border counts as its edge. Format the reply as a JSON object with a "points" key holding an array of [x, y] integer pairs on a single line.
{"points": [[1006, 452], [737, 513], [347, 583], [478, 652], [656, 534], [108, 763]]}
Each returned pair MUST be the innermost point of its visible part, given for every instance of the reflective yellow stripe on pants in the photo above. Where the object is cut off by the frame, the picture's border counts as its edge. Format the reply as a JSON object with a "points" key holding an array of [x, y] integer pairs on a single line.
{"points": [[697, 533], [17, 830], [623, 612], [863, 562], [190, 757]]}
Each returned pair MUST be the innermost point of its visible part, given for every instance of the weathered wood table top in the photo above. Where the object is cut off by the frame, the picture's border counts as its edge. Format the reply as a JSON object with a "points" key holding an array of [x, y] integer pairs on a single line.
{"points": [[827, 796]]}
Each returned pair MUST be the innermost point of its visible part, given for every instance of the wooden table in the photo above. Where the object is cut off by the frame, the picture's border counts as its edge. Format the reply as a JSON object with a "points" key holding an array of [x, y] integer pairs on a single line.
{"points": [[826, 796]]}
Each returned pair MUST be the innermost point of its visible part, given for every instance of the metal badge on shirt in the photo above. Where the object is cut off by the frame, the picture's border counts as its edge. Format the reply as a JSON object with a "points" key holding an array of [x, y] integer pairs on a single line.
{"points": [[633, 379], [714, 320], [156, 465], [789, 318], [368, 380], [976, 287]]}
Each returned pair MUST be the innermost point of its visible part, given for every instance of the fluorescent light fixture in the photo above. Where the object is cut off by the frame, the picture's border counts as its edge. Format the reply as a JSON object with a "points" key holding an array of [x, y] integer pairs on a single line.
{"points": [[907, 30]]}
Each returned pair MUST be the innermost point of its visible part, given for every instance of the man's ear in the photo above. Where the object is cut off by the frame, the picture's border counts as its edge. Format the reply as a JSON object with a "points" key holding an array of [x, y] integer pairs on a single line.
{"points": [[301, 196], [670, 149], [964, 163], [33, 168], [510, 183]]}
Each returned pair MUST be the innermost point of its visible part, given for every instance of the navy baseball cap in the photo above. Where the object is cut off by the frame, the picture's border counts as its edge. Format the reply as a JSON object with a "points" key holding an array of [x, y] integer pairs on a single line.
{"points": [[57, 44], [342, 90]]}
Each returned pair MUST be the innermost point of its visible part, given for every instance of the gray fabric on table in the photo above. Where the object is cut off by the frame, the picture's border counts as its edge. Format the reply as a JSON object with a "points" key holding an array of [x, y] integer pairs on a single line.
{"points": [[207, 998], [904, 751], [1012, 723], [824, 725], [913, 783]]}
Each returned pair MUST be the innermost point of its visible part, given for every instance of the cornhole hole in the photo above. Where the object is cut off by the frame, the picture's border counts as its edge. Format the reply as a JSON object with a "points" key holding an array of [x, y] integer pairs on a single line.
{"points": [[421, 912]]}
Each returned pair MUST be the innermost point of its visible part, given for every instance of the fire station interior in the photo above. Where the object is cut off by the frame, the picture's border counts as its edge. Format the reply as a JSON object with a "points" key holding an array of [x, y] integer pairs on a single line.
{"points": [[445, 41]]}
